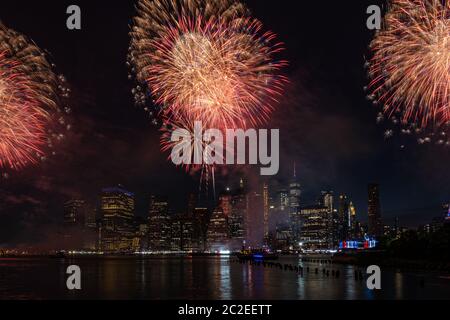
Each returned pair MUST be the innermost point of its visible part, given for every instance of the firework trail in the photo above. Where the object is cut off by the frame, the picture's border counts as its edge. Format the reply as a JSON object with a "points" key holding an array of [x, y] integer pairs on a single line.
{"points": [[203, 60], [410, 67], [30, 95]]}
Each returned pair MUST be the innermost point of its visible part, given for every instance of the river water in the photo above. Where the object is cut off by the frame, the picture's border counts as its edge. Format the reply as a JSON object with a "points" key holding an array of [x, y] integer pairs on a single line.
{"points": [[204, 278]]}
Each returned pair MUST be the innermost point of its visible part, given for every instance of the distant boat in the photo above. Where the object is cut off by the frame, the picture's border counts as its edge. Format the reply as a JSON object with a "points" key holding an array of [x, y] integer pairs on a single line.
{"points": [[257, 255]]}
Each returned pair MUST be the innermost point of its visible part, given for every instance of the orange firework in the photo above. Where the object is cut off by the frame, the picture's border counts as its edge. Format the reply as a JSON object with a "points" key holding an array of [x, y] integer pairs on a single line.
{"points": [[28, 101], [206, 61], [410, 68]]}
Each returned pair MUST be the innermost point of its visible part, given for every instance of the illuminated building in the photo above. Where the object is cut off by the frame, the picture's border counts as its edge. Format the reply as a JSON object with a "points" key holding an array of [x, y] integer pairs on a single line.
{"points": [[236, 221], [225, 203], [200, 220], [182, 233], [283, 237], [217, 235], [315, 228], [375, 226], [254, 222], [159, 224], [117, 209], [343, 216], [294, 205], [327, 200], [80, 226], [283, 200], [74, 213], [352, 221], [266, 211]]}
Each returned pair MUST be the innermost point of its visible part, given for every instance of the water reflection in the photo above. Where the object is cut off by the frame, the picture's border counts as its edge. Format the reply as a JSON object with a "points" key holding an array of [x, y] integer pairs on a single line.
{"points": [[205, 278]]}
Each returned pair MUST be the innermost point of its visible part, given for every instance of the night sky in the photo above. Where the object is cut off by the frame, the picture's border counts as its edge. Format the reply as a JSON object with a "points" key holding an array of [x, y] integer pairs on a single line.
{"points": [[327, 126]]}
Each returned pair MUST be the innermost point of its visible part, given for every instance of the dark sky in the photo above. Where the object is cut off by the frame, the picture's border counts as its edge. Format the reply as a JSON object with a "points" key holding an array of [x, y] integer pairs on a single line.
{"points": [[327, 125]]}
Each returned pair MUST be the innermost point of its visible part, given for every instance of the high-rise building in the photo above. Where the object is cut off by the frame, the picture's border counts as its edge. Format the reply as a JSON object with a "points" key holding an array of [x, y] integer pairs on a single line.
{"points": [[225, 203], [74, 213], [327, 200], [254, 222], [217, 235], [182, 233], [159, 224], [314, 233], [266, 209], [200, 221], [294, 206], [343, 217], [117, 228], [236, 221], [374, 211], [77, 235], [351, 221], [283, 200]]}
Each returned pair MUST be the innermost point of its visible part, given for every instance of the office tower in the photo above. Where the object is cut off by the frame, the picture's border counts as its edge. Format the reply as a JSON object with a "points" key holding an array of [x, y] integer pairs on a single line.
{"points": [[343, 217], [159, 224], [117, 209], [266, 211], [351, 221], [225, 203], [283, 238], [74, 213], [375, 226], [192, 203], [314, 234], [294, 205], [76, 235], [200, 225], [327, 200], [218, 235], [254, 222], [182, 233], [236, 221], [282, 202]]}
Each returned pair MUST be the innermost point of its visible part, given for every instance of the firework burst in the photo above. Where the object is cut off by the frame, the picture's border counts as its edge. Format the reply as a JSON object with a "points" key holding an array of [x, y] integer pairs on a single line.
{"points": [[206, 61], [30, 94], [203, 60], [410, 67]]}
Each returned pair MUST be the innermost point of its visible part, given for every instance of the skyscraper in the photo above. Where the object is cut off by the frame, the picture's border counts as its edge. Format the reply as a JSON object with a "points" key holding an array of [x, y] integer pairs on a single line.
{"points": [[117, 208], [375, 225], [294, 205], [266, 210], [327, 200], [236, 221], [200, 225], [314, 231], [218, 236], [74, 213], [159, 224]]}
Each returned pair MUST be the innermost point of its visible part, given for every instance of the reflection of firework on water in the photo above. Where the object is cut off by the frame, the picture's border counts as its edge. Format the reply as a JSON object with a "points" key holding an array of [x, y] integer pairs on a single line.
{"points": [[203, 60], [30, 95], [410, 67]]}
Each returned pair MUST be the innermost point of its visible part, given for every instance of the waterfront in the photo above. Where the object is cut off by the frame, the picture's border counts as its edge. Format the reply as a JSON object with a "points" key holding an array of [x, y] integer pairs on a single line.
{"points": [[204, 278]]}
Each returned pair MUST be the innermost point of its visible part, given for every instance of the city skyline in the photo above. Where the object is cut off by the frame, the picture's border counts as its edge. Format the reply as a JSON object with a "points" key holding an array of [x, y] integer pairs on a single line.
{"points": [[240, 218], [223, 157], [335, 140]]}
